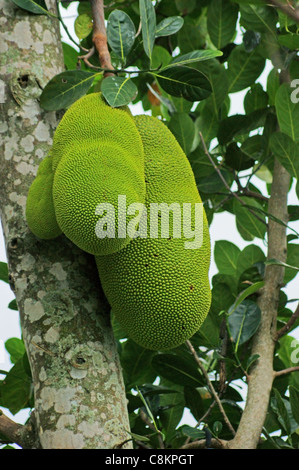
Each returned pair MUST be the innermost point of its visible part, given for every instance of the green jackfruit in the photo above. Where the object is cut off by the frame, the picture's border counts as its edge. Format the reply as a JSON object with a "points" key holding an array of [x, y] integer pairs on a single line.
{"points": [[40, 213], [158, 290], [97, 156]]}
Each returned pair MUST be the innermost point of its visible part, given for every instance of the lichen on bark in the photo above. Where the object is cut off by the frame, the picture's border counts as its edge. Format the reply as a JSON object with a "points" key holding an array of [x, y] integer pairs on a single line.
{"points": [[80, 399]]}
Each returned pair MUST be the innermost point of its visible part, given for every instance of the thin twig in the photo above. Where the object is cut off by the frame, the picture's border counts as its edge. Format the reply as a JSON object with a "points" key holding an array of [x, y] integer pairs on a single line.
{"points": [[289, 370], [215, 444], [288, 325], [225, 182], [210, 385], [148, 422]]}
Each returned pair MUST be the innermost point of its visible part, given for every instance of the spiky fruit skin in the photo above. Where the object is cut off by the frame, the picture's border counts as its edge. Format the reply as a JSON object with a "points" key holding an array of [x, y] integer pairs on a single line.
{"points": [[87, 176], [40, 213], [97, 155], [159, 291]]}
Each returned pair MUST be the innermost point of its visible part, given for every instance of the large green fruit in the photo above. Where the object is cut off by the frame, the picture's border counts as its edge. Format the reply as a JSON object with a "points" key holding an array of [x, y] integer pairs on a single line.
{"points": [[157, 287], [97, 156], [40, 213]]}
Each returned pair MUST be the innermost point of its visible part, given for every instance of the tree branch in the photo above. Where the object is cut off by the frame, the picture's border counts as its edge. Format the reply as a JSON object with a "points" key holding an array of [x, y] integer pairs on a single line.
{"points": [[99, 37], [210, 385], [287, 9], [278, 373], [288, 325], [10, 429], [261, 376], [215, 444]]}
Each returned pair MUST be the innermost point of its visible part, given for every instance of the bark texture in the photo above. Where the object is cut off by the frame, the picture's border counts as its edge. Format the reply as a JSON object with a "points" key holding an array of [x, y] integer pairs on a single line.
{"points": [[80, 400], [262, 375]]}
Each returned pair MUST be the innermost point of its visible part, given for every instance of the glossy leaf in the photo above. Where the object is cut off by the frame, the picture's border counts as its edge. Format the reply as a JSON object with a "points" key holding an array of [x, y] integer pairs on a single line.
{"points": [[194, 57], [65, 88], [120, 33], [250, 255], [118, 91], [244, 68], [17, 389], [287, 112], [168, 26], [226, 255], [184, 82], [178, 370], [38, 7], [182, 127], [258, 18], [246, 293], [16, 349], [148, 25], [243, 322], [287, 152], [246, 219], [222, 17]]}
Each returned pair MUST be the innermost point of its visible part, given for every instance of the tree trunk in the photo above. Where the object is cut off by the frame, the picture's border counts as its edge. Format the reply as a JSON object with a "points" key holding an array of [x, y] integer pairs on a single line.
{"points": [[80, 400]]}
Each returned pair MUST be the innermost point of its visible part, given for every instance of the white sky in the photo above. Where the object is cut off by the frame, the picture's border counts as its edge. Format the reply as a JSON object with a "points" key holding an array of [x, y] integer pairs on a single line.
{"points": [[223, 227]]}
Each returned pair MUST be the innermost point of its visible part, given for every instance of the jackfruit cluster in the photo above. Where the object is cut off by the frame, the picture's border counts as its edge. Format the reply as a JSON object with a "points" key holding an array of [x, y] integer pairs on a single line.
{"points": [[96, 155], [158, 289]]}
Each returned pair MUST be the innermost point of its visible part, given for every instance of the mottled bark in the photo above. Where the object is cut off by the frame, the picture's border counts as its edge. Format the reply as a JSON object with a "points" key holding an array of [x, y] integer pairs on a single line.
{"points": [[79, 394]]}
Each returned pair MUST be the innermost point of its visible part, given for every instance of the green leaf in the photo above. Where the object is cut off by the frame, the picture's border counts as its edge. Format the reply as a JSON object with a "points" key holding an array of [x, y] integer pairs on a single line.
{"points": [[168, 26], [16, 391], [248, 257], [185, 6], [256, 98], [70, 56], [244, 294], [292, 261], [258, 18], [136, 364], [289, 40], [15, 347], [83, 25], [235, 158], [208, 333], [216, 73], [13, 305], [3, 272], [240, 124], [194, 402], [148, 25], [190, 37], [287, 152], [272, 85], [247, 220], [194, 433], [65, 88], [281, 411], [184, 82], [178, 370], [222, 17], [194, 57], [118, 91], [244, 68], [38, 7], [287, 112], [244, 322], [226, 255], [171, 411], [294, 400], [182, 127], [213, 183], [120, 33]]}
